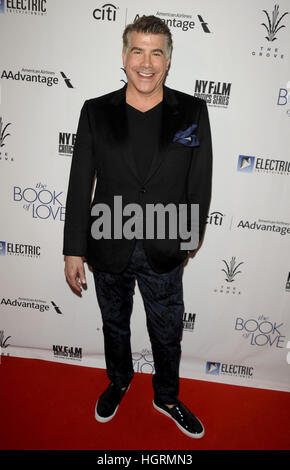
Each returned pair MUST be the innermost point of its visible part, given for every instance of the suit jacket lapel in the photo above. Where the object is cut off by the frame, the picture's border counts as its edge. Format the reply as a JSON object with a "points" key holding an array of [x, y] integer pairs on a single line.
{"points": [[119, 124], [169, 125]]}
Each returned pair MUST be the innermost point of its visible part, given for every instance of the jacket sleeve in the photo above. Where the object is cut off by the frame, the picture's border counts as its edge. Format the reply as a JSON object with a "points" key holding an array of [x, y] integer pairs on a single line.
{"points": [[200, 174], [77, 214]]}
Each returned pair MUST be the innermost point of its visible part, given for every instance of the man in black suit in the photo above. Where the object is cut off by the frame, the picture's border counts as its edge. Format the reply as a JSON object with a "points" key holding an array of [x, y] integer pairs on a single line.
{"points": [[139, 141]]}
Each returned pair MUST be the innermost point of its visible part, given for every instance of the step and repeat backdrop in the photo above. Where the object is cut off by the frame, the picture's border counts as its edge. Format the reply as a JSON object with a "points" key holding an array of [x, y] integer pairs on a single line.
{"points": [[55, 54]]}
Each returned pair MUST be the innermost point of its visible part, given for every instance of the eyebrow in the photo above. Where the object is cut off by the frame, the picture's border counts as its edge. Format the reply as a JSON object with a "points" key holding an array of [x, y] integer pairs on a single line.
{"points": [[135, 48]]}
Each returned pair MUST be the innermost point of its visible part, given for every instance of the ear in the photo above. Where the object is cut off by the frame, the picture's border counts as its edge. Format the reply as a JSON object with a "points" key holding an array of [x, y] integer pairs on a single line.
{"points": [[168, 63]]}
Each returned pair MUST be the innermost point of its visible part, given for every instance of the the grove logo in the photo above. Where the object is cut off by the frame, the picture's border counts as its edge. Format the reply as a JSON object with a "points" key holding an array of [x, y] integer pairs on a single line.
{"points": [[269, 50], [3, 133], [231, 269], [3, 342], [273, 26], [4, 154]]}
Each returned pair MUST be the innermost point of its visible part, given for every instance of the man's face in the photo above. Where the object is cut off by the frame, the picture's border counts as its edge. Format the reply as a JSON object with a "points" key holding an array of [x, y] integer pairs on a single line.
{"points": [[145, 62]]}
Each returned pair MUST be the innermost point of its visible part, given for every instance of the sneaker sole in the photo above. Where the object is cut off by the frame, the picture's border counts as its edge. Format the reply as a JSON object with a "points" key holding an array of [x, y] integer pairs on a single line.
{"points": [[194, 436], [101, 419]]}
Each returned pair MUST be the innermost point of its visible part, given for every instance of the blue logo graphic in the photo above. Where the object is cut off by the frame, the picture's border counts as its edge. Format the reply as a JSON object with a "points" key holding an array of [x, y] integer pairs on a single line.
{"points": [[213, 368], [2, 6], [246, 163], [2, 248]]}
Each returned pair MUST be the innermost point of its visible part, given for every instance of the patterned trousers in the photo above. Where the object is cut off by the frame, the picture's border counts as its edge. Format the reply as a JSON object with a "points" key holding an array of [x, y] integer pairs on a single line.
{"points": [[162, 296]]}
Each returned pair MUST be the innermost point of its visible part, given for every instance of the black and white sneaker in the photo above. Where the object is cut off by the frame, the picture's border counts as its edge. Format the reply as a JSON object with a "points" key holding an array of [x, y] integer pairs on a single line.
{"points": [[108, 403], [183, 418]]}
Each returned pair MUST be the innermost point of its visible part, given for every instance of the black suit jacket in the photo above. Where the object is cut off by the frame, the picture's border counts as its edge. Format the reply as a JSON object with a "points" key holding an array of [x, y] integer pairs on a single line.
{"points": [[178, 174]]}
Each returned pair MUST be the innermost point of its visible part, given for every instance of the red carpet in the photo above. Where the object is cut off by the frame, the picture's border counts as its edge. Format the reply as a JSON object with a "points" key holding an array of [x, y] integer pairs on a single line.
{"points": [[46, 405]]}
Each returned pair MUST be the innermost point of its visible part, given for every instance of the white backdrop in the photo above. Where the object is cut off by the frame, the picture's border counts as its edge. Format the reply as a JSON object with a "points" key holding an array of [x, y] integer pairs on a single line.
{"points": [[55, 54]]}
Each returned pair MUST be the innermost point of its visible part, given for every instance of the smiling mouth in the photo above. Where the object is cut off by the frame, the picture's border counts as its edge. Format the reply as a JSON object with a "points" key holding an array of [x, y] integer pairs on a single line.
{"points": [[145, 75]]}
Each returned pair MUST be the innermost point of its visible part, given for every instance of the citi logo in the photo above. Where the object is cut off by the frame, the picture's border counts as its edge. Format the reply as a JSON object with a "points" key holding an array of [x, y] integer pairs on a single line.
{"points": [[106, 12], [215, 218]]}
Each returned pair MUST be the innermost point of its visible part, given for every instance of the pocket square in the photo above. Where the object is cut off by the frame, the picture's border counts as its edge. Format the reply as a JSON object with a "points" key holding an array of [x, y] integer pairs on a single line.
{"points": [[187, 137]]}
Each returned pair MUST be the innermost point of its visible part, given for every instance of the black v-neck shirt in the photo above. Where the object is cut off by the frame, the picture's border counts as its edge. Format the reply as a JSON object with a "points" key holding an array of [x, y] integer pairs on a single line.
{"points": [[144, 129]]}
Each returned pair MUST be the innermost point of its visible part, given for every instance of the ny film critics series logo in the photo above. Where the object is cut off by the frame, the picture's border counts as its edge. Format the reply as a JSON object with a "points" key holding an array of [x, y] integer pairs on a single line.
{"points": [[41, 202], [37, 76], [25, 7], [5, 133], [188, 321], [66, 142], [216, 94], [67, 352], [273, 26]]}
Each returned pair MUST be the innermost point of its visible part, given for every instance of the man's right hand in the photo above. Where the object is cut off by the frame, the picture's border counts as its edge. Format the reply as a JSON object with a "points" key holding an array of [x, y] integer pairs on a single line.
{"points": [[75, 273]]}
